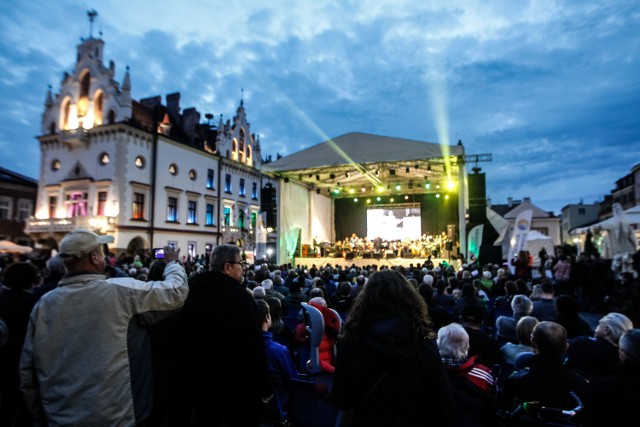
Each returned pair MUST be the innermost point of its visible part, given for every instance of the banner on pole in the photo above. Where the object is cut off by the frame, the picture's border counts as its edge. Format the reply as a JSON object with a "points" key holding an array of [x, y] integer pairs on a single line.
{"points": [[520, 231]]}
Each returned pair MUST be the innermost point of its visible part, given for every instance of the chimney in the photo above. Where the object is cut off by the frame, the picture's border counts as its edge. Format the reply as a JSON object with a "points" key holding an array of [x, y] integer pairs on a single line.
{"points": [[509, 201], [527, 199], [173, 105]]}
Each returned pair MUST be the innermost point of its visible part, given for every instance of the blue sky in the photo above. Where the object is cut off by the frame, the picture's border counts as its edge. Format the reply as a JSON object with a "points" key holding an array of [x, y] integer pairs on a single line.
{"points": [[550, 88]]}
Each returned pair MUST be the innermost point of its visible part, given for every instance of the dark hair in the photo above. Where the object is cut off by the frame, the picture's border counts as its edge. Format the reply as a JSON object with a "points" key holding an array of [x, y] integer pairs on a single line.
{"points": [[156, 270], [388, 294], [21, 275], [549, 337], [223, 254], [263, 310]]}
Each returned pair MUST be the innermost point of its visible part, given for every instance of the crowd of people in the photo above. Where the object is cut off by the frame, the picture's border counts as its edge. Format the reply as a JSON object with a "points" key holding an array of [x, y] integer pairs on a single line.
{"points": [[97, 340]]}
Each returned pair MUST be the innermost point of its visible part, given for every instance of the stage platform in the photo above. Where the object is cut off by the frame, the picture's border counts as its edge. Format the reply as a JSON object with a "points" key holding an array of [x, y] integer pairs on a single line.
{"points": [[364, 262]]}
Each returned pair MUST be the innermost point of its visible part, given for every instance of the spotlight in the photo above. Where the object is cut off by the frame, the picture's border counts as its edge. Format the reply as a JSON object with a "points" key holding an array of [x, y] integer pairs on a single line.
{"points": [[391, 200], [336, 191], [351, 191], [398, 187], [363, 189], [438, 196], [406, 197], [355, 200], [378, 198], [427, 185]]}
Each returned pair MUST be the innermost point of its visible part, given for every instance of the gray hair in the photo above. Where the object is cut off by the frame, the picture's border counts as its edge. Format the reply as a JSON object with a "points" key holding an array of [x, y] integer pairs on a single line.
{"points": [[223, 254], [521, 305], [258, 292], [453, 341], [55, 265], [617, 323]]}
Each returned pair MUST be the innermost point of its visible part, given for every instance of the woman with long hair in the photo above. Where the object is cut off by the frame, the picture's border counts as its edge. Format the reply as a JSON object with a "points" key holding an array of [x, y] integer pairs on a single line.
{"points": [[388, 369]]}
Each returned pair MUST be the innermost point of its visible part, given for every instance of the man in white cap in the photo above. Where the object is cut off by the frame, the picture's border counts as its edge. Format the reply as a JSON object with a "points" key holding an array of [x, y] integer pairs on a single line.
{"points": [[85, 361]]}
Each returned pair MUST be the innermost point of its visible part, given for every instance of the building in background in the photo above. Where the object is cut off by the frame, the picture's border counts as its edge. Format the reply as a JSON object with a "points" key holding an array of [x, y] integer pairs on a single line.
{"points": [[17, 203], [579, 215], [147, 173]]}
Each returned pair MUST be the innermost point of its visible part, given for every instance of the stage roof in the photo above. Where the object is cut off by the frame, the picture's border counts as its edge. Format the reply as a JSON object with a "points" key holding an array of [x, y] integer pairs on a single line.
{"points": [[356, 161]]}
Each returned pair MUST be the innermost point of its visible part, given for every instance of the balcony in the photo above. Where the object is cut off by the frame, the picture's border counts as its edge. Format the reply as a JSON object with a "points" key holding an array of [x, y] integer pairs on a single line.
{"points": [[65, 225], [75, 137]]}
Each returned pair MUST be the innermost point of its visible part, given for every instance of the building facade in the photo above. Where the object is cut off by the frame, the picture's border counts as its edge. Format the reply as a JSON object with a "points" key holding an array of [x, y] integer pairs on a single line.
{"points": [[577, 215], [17, 203], [149, 174]]}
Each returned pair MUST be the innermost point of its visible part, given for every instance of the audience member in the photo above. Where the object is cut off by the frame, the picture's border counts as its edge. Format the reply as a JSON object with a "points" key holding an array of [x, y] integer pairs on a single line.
{"points": [[596, 356], [85, 359], [16, 302], [279, 363], [473, 384], [481, 342], [544, 307], [224, 355], [521, 306], [510, 350], [439, 315], [617, 394], [388, 369], [546, 379], [55, 271], [568, 315]]}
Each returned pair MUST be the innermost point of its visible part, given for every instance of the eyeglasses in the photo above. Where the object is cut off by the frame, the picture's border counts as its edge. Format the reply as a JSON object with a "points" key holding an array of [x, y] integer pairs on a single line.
{"points": [[237, 262]]}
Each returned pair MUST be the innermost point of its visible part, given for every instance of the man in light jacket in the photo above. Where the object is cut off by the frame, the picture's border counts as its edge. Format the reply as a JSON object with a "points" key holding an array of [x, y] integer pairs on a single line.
{"points": [[86, 358]]}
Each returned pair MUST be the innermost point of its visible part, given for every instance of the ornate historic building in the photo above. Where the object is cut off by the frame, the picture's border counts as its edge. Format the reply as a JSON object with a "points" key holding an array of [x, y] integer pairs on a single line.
{"points": [[147, 173]]}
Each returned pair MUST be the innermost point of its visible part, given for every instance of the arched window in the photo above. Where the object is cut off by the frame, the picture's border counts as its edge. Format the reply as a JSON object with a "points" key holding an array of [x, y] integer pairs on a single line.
{"points": [[249, 156], [98, 108], [234, 150], [83, 99], [52, 128], [66, 112], [112, 117]]}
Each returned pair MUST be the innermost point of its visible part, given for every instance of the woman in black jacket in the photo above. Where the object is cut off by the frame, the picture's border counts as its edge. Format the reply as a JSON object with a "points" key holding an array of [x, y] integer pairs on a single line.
{"points": [[388, 369]]}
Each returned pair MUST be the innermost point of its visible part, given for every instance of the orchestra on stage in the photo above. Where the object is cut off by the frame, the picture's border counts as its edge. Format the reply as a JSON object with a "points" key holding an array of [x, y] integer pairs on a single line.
{"points": [[427, 245]]}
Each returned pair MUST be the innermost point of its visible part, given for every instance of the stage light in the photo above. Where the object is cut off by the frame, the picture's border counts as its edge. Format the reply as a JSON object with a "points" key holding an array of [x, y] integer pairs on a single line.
{"points": [[427, 185], [451, 185], [406, 197], [398, 187], [380, 189], [336, 191], [446, 196], [351, 191], [355, 199], [438, 196], [368, 200], [378, 199], [391, 200], [363, 189], [437, 186]]}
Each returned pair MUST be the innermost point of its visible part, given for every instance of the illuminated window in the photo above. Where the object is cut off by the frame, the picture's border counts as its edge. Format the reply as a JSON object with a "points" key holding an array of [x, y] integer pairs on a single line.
{"points": [[102, 202], [138, 206], [173, 169], [241, 187], [55, 165], [241, 219], [98, 108], [25, 207], [254, 190], [227, 215], [66, 113], [140, 162], [210, 218], [193, 174], [211, 179], [227, 183], [76, 204], [53, 205], [254, 219], [172, 209], [192, 212]]}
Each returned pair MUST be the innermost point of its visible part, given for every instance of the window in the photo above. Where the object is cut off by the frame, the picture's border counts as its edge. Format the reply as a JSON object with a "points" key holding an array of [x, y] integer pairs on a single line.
{"points": [[227, 183], [254, 218], [241, 220], [581, 211], [98, 108], [76, 204], [102, 202], [140, 162], [173, 169], [53, 205], [192, 212], [193, 174], [55, 165], [138, 206], [254, 190], [103, 159], [210, 219], [172, 209], [191, 249], [24, 209], [227, 215], [210, 178], [5, 208], [242, 190]]}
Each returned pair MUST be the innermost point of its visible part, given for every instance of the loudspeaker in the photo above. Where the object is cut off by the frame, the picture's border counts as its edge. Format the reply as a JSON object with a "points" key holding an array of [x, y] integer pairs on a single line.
{"points": [[448, 246], [477, 198], [451, 232], [269, 204]]}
